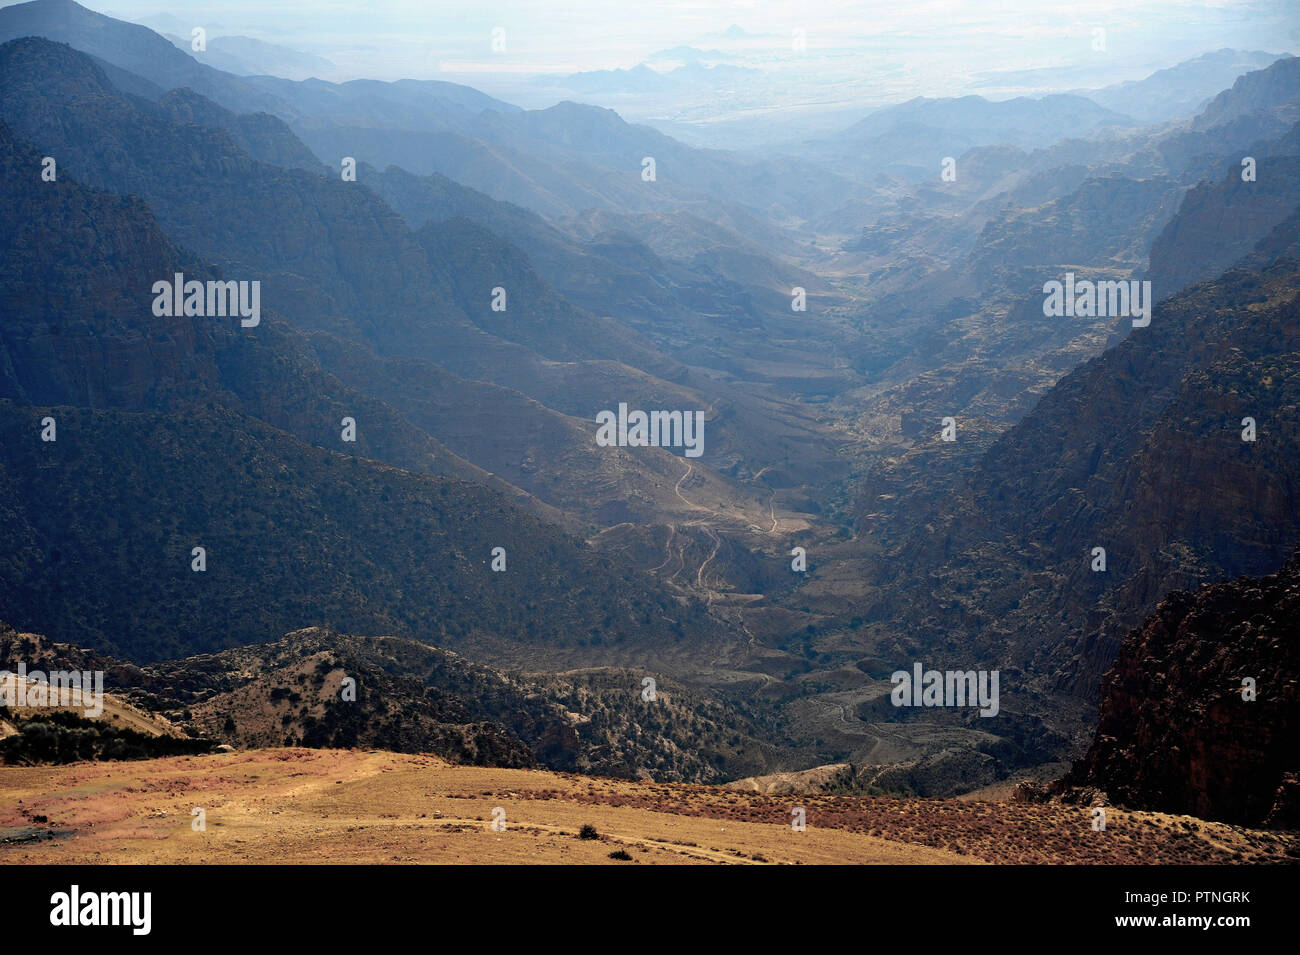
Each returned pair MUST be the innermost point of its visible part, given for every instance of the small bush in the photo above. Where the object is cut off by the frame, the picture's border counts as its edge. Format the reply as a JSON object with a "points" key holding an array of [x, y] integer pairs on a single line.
{"points": [[621, 855], [588, 832]]}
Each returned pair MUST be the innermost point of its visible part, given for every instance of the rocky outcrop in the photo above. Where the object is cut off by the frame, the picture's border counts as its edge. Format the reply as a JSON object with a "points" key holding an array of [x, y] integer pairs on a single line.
{"points": [[264, 137], [1177, 730], [1220, 222]]}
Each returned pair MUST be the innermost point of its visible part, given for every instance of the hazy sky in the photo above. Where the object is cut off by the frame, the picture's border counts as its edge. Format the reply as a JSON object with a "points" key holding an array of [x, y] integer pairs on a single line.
{"points": [[593, 34], [871, 52]]}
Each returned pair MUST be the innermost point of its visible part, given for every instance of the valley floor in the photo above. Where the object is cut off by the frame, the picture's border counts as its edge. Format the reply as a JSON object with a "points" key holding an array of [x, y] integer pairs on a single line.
{"points": [[350, 806]]}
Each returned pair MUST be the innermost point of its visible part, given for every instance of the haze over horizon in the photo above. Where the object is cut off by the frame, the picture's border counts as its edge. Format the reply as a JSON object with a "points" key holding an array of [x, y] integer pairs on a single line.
{"points": [[856, 56]]}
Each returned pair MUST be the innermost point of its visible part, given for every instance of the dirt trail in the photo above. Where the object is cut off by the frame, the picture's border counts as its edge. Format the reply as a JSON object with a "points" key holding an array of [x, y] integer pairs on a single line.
{"points": [[699, 574], [678, 489]]}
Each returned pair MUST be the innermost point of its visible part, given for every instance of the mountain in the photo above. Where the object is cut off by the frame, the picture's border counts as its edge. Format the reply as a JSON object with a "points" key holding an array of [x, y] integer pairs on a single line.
{"points": [[695, 288], [978, 551], [955, 303], [246, 56], [639, 79], [913, 137], [200, 405], [558, 161], [334, 259], [384, 550], [690, 77], [80, 329], [411, 697], [826, 313], [1064, 231], [942, 217], [261, 135], [327, 250], [570, 157], [401, 324], [133, 48], [1139, 451], [1177, 732], [1220, 222], [1180, 90], [1266, 92]]}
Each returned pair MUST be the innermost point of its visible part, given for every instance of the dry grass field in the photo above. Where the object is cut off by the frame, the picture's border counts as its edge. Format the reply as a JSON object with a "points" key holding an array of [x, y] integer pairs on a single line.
{"points": [[351, 806]]}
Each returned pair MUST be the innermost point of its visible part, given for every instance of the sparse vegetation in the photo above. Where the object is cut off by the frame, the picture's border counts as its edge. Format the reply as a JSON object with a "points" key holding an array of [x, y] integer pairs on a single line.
{"points": [[63, 737]]}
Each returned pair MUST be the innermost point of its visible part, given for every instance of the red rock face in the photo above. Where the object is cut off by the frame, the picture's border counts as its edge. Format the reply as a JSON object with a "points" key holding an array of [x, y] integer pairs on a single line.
{"points": [[1175, 732]]}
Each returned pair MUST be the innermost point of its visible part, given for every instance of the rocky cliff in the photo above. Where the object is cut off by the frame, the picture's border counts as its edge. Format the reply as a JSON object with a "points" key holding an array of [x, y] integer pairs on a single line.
{"points": [[1179, 733]]}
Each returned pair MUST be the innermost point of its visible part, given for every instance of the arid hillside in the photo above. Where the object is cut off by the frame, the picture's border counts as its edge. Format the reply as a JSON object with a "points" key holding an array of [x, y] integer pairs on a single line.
{"points": [[354, 806]]}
